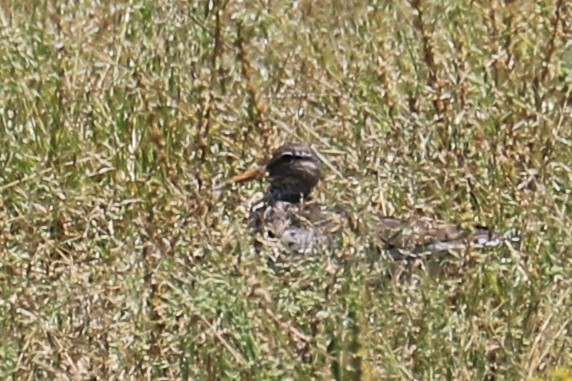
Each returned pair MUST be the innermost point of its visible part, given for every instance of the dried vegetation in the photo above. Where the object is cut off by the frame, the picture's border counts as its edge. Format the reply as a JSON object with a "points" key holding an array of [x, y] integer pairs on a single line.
{"points": [[118, 118]]}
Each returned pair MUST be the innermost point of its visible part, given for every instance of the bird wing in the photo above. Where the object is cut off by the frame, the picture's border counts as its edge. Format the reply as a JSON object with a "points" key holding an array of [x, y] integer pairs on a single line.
{"points": [[430, 236]]}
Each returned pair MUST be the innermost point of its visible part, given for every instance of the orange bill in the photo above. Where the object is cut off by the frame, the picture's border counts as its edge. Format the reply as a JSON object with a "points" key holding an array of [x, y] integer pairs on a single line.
{"points": [[251, 174]]}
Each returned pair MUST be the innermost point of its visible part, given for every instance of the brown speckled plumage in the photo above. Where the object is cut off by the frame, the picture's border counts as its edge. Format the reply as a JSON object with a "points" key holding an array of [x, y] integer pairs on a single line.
{"points": [[287, 213]]}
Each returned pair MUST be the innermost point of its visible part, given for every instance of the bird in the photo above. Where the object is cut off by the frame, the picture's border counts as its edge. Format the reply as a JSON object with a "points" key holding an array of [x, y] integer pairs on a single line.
{"points": [[288, 214]]}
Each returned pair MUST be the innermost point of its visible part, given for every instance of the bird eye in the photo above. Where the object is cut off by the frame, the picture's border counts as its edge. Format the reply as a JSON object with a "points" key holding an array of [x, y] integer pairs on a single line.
{"points": [[288, 158]]}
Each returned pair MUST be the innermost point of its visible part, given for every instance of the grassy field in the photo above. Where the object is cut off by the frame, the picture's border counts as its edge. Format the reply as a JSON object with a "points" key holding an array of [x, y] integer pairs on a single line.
{"points": [[119, 118]]}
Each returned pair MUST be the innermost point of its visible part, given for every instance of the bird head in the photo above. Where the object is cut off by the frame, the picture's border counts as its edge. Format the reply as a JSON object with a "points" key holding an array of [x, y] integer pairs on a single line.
{"points": [[293, 171]]}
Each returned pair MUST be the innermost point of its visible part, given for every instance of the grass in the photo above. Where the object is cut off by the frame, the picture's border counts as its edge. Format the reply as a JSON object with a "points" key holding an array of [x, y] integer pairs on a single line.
{"points": [[117, 120]]}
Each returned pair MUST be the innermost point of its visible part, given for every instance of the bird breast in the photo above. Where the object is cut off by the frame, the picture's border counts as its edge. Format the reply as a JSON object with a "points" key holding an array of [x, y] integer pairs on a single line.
{"points": [[300, 227]]}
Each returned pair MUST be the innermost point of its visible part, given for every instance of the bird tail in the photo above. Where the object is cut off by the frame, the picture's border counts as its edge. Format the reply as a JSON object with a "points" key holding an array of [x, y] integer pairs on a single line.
{"points": [[486, 238], [481, 238]]}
